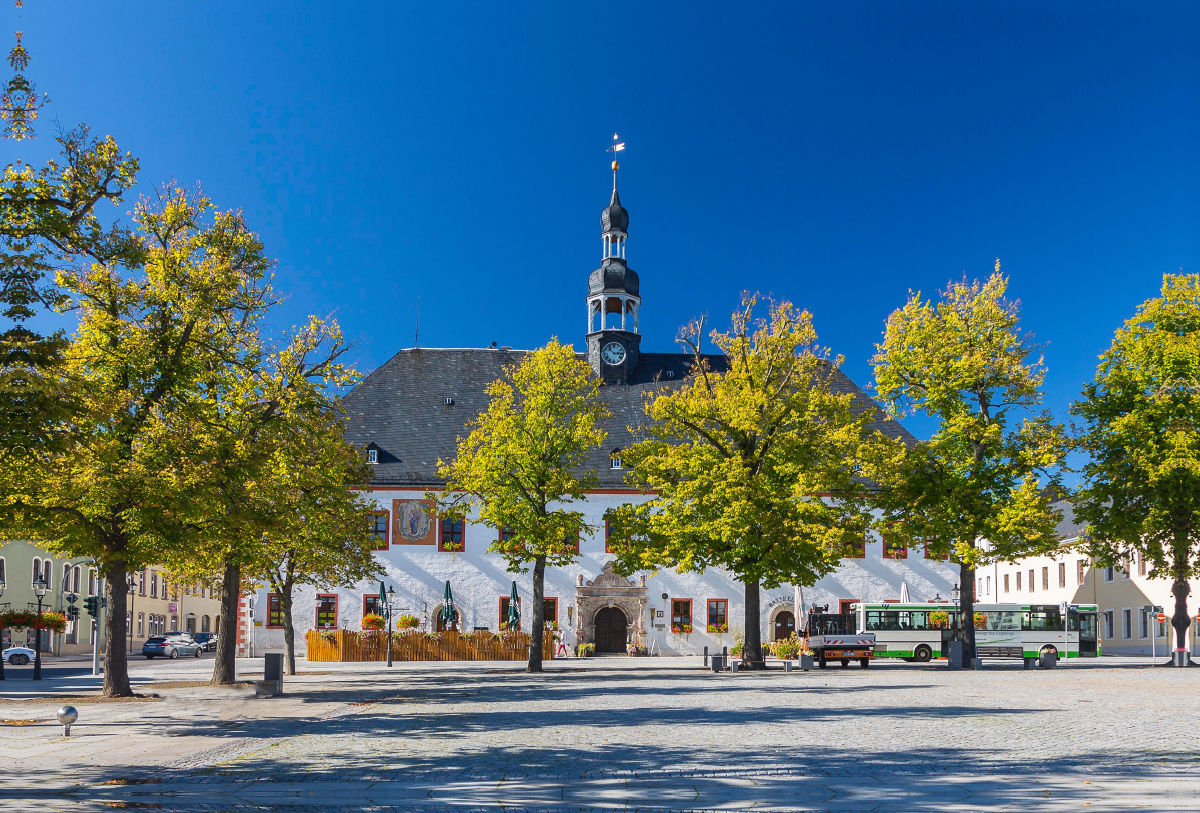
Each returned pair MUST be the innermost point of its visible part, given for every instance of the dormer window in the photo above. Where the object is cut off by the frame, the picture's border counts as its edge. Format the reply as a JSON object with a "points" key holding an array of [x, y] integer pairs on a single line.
{"points": [[670, 373], [373, 456], [614, 459]]}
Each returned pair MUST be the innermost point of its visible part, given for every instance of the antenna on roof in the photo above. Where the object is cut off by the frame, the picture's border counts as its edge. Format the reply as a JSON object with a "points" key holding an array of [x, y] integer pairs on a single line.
{"points": [[417, 332]]}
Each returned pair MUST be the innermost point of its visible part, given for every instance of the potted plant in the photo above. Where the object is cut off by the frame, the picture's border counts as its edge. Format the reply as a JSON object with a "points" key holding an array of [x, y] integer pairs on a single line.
{"points": [[806, 658], [787, 649], [373, 621], [585, 650]]}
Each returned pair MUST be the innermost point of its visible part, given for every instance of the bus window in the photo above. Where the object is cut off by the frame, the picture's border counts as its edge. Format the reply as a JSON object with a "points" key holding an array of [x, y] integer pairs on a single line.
{"points": [[914, 620], [1043, 619], [999, 620]]}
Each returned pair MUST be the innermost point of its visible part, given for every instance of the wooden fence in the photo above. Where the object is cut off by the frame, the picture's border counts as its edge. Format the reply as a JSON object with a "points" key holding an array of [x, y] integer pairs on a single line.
{"points": [[371, 645]]}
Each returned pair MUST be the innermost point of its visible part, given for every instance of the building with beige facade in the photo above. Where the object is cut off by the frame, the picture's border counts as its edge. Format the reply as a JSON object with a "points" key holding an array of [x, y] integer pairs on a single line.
{"points": [[1122, 594], [156, 603]]}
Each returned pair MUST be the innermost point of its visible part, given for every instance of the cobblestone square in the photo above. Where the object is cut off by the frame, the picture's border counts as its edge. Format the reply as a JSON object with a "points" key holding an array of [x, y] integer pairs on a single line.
{"points": [[608, 733]]}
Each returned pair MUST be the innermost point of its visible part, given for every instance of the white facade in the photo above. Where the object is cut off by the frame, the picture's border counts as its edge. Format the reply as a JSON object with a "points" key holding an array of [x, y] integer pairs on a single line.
{"points": [[418, 573]]}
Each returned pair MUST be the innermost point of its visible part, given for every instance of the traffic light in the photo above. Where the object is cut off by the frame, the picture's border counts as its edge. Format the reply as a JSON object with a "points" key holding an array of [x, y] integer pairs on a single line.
{"points": [[89, 604], [73, 613]]}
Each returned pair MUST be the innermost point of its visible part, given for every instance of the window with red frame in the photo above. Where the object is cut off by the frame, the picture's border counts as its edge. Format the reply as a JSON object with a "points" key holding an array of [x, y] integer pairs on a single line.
{"points": [[894, 549], [451, 535], [572, 542], [371, 605], [326, 612], [856, 549], [681, 614], [274, 610], [550, 610], [504, 602], [718, 613], [379, 530], [937, 553], [507, 534]]}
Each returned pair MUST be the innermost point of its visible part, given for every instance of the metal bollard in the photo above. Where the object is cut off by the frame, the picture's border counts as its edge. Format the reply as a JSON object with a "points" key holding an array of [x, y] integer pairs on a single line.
{"points": [[705, 656], [733, 667], [787, 665], [67, 715]]}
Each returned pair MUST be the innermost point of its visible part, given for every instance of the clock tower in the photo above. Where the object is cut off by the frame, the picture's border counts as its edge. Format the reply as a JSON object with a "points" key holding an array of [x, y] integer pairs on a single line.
{"points": [[613, 302]]}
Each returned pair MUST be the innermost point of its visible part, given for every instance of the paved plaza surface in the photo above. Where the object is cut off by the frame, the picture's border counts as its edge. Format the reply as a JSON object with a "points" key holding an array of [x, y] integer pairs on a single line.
{"points": [[621, 733]]}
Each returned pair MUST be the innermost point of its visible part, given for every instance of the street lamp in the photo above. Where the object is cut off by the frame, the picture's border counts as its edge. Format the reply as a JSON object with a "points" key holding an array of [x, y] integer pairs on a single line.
{"points": [[39, 590], [2, 586], [390, 606], [129, 580]]}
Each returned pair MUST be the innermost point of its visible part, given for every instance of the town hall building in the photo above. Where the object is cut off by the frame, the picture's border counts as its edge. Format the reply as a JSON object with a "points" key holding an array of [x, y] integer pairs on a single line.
{"points": [[410, 412]]}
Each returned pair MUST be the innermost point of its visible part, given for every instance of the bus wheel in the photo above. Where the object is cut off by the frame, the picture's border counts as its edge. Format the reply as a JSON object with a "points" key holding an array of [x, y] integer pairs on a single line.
{"points": [[865, 662], [845, 662], [923, 654]]}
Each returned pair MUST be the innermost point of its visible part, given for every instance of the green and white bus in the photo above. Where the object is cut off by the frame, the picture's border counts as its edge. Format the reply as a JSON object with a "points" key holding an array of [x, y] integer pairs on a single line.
{"points": [[920, 631]]}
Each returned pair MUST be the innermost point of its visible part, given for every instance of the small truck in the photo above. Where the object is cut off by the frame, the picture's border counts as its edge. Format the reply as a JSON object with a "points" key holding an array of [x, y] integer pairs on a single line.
{"points": [[834, 637]]}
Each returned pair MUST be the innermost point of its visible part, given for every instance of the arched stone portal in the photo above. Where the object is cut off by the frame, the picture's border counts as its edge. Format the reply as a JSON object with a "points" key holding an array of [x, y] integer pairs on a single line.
{"points": [[611, 628], [610, 591]]}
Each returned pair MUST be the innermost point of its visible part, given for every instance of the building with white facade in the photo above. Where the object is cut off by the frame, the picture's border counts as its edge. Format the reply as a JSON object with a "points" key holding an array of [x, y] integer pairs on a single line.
{"points": [[409, 413]]}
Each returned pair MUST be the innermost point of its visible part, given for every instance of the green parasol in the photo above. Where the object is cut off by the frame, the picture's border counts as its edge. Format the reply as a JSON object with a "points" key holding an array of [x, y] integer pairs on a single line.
{"points": [[449, 617], [514, 609]]}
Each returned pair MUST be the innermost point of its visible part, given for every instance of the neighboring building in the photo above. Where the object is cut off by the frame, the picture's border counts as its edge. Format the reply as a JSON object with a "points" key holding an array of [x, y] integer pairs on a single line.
{"points": [[155, 604], [409, 413], [1121, 594]]}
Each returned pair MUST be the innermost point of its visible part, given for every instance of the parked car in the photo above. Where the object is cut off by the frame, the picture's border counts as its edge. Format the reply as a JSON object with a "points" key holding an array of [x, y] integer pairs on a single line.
{"points": [[18, 655], [171, 646], [207, 640]]}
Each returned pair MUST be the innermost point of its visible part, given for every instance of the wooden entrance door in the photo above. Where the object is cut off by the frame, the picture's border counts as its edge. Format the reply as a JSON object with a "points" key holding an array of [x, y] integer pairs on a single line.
{"points": [[785, 625], [610, 630]]}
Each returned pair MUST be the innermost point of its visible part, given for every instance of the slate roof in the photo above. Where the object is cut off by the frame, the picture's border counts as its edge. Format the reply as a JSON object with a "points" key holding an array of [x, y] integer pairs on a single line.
{"points": [[399, 408]]}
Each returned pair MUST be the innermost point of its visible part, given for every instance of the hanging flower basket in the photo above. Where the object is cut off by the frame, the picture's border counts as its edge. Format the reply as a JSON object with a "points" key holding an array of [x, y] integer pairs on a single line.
{"points": [[373, 621], [407, 622], [980, 621], [28, 619], [939, 619]]}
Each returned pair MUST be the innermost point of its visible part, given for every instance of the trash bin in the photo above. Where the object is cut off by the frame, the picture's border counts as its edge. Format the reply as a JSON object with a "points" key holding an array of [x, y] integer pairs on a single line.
{"points": [[718, 663], [1048, 660], [954, 657], [273, 666], [1182, 657]]}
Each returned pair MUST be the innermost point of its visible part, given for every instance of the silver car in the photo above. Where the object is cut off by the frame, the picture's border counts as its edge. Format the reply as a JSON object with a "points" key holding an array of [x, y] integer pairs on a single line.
{"points": [[171, 646]]}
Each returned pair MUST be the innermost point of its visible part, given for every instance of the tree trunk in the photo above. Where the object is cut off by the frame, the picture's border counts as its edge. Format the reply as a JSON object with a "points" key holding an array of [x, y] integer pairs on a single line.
{"points": [[966, 613], [752, 657], [289, 629], [225, 660], [537, 627], [116, 662], [1180, 619]]}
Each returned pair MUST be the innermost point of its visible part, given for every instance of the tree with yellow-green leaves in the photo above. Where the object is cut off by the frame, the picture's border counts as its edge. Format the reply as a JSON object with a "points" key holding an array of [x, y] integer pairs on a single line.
{"points": [[753, 468], [979, 487], [157, 324], [1141, 429], [270, 480], [520, 466]]}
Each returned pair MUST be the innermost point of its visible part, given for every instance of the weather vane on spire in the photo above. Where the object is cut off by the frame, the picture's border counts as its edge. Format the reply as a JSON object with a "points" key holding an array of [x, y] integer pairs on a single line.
{"points": [[618, 146]]}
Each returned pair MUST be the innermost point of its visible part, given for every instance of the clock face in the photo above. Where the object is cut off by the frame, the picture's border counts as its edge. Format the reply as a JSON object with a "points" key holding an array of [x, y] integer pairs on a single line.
{"points": [[613, 353]]}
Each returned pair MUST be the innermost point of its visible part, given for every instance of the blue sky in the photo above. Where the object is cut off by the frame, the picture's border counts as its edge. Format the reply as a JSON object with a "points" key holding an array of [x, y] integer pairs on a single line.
{"points": [[833, 154]]}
